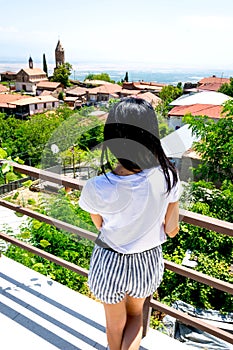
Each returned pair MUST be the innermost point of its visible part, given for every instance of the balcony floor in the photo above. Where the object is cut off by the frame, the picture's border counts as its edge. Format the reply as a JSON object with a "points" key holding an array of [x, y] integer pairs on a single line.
{"points": [[38, 313]]}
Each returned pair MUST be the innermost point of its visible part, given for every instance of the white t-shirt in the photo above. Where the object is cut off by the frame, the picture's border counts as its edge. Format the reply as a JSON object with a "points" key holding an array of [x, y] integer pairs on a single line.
{"points": [[133, 208]]}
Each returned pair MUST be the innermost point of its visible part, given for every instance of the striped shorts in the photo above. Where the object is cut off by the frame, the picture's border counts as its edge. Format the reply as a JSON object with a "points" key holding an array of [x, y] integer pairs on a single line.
{"points": [[112, 275]]}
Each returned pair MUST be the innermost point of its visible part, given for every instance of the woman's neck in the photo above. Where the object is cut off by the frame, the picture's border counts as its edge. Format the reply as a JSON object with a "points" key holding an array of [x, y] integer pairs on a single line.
{"points": [[121, 171]]}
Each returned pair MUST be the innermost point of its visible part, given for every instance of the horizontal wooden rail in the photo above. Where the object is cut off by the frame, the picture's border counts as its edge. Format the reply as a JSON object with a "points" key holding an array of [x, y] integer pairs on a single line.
{"points": [[45, 175], [181, 270], [185, 215], [49, 220], [199, 277], [192, 321], [207, 222], [44, 254]]}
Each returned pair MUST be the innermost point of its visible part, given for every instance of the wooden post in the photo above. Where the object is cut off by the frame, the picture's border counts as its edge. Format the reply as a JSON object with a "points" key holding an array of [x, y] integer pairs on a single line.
{"points": [[146, 315]]}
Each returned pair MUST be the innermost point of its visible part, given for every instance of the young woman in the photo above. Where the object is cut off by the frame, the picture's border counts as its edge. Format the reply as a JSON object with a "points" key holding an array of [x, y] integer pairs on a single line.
{"points": [[134, 207]]}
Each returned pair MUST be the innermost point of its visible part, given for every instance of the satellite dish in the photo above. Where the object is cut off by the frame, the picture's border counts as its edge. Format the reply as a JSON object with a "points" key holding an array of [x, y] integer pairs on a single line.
{"points": [[54, 148]]}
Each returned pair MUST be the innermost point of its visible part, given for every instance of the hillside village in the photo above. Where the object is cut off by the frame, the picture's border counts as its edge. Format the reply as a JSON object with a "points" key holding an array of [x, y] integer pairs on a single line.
{"points": [[30, 91]]}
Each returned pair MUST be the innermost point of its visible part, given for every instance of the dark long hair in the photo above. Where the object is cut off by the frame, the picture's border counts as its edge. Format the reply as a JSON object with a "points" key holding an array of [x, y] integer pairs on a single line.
{"points": [[131, 133]]}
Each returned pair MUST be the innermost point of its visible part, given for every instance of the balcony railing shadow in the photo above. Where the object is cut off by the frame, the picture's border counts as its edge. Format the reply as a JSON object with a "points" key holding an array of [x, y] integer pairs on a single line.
{"points": [[185, 216]]}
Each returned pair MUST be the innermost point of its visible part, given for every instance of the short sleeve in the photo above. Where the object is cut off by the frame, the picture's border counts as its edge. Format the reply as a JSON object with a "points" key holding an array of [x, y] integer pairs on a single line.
{"points": [[175, 193], [86, 200]]}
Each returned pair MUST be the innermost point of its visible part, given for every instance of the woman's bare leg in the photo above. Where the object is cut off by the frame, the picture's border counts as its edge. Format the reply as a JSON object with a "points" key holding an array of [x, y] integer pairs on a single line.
{"points": [[133, 329], [115, 323]]}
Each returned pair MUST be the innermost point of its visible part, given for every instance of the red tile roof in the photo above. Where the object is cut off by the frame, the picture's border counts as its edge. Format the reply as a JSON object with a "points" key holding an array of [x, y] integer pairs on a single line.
{"points": [[150, 97], [34, 71], [210, 86], [108, 89], [3, 88], [9, 99], [48, 84], [212, 111], [214, 80], [77, 91]]}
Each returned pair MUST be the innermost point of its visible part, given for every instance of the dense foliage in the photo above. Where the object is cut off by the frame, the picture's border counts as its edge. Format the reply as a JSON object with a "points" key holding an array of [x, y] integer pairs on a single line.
{"points": [[216, 145], [31, 139], [100, 76], [62, 74], [227, 89], [167, 95], [212, 251]]}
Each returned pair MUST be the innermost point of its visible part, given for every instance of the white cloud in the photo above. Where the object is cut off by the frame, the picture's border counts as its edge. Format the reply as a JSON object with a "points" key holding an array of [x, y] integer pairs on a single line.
{"points": [[10, 29]]}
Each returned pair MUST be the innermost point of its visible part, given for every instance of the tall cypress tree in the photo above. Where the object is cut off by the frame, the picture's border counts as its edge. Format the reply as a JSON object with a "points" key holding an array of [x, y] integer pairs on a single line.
{"points": [[126, 79], [45, 68]]}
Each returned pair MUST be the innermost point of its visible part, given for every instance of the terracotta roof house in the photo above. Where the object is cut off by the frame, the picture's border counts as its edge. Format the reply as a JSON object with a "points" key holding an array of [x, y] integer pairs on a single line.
{"points": [[103, 93], [150, 97], [3, 89], [8, 76], [77, 91], [211, 111], [212, 83], [28, 78], [153, 87], [33, 105], [47, 85], [207, 103], [7, 102], [129, 92], [22, 105]]}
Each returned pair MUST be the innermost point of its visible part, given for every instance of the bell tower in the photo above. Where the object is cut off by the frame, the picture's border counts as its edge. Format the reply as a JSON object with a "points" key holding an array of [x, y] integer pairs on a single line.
{"points": [[30, 62], [59, 54]]}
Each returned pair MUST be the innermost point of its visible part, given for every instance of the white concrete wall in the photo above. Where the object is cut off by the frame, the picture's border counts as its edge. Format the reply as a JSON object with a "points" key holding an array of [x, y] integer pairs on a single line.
{"points": [[175, 122], [29, 87]]}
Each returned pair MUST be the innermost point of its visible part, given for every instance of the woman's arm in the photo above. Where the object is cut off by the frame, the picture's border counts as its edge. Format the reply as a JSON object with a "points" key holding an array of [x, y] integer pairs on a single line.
{"points": [[171, 223], [97, 220]]}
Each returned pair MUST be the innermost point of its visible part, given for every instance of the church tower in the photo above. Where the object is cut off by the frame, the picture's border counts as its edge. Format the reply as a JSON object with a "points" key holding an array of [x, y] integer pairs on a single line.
{"points": [[30, 62], [59, 54]]}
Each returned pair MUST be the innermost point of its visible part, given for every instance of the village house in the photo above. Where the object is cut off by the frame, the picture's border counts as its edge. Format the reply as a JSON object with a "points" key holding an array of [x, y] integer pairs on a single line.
{"points": [[28, 78], [8, 76], [49, 86], [206, 84], [76, 97], [23, 106], [212, 83], [7, 102], [152, 87], [33, 105], [103, 93], [205, 103]]}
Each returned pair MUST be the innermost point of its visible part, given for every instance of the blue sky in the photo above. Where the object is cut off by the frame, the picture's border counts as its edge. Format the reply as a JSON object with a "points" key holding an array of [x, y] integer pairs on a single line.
{"points": [[164, 33]]}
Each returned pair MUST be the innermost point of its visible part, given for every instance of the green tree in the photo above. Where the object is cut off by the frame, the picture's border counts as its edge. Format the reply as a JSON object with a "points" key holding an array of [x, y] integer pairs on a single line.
{"points": [[45, 67], [227, 88], [100, 76], [167, 95], [215, 146], [62, 73], [126, 78]]}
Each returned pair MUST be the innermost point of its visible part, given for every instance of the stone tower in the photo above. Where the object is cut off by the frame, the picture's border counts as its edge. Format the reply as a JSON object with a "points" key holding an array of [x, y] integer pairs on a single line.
{"points": [[30, 62], [59, 54]]}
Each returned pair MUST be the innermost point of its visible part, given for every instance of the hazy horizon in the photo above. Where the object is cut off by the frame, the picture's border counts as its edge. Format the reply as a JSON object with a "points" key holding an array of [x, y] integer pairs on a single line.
{"points": [[157, 34]]}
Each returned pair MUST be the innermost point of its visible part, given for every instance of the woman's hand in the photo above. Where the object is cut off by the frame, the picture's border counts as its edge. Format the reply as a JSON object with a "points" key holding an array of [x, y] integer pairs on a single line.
{"points": [[171, 222], [97, 220]]}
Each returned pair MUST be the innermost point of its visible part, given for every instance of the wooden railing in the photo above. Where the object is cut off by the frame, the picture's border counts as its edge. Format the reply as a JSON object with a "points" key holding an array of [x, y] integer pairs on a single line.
{"points": [[185, 216]]}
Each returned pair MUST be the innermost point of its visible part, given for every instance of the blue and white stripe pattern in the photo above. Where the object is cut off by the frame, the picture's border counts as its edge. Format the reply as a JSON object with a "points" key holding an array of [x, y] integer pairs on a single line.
{"points": [[112, 275]]}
